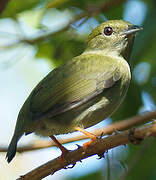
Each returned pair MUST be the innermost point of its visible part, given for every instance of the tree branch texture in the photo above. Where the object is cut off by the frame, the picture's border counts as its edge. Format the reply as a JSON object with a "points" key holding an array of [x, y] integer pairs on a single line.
{"points": [[98, 147], [118, 126]]}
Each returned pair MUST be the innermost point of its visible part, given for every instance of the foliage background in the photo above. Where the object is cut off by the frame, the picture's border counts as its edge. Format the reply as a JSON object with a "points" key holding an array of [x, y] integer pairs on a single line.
{"points": [[35, 37]]}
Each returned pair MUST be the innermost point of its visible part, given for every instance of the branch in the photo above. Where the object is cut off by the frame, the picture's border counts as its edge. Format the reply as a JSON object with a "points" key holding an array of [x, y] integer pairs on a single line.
{"points": [[3, 4], [119, 126], [50, 33], [98, 147]]}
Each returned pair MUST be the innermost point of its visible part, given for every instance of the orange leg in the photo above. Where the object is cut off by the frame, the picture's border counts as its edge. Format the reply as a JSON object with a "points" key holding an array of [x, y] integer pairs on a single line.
{"points": [[88, 134], [61, 147]]}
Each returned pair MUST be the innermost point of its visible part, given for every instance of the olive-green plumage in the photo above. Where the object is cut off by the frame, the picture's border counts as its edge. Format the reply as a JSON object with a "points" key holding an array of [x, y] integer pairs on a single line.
{"points": [[85, 90]]}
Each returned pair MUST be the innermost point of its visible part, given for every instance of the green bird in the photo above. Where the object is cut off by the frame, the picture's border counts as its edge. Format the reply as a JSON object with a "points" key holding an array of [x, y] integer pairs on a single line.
{"points": [[83, 91]]}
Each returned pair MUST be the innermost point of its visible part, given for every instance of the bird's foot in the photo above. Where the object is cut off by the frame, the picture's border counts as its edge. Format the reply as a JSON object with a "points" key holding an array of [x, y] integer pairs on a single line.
{"points": [[87, 144], [61, 147], [63, 155], [89, 135]]}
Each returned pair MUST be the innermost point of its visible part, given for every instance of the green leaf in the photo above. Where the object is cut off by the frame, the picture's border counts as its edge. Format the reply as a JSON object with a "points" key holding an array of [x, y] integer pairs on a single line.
{"points": [[116, 12], [17, 6], [61, 48], [91, 176], [44, 50], [141, 161]]}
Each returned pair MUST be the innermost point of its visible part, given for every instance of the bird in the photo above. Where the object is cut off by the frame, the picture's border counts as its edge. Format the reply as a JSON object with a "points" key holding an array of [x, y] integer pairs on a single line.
{"points": [[82, 92]]}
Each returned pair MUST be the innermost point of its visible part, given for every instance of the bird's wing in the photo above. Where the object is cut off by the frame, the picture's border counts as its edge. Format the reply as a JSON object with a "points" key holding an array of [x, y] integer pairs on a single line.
{"points": [[72, 85]]}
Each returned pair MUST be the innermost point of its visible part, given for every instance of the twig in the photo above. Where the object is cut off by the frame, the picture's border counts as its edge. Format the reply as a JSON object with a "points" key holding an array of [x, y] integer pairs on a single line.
{"points": [[3, 4], [91, 12], [96, 147], [121, 125]]}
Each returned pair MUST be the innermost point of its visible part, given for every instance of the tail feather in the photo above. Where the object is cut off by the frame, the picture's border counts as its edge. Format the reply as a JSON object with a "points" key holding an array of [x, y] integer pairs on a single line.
{"points": [[12, 147]]}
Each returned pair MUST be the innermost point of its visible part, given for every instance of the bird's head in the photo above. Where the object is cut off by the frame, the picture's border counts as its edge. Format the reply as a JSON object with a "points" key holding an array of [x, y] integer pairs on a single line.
{"points": [[114, 37]]}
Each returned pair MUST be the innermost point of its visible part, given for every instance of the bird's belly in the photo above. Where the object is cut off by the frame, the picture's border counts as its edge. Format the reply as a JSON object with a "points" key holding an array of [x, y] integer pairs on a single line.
{"points": [[85, 115], [100, 110]]}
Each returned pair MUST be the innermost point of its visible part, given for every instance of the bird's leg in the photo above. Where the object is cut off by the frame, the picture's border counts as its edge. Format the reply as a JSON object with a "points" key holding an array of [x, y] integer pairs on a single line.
{"points": [[61, 147], [88, 134]]}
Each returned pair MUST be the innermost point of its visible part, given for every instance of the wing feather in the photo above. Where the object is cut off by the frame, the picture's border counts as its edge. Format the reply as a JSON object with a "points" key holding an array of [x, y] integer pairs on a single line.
{"points": [[72, 85]]}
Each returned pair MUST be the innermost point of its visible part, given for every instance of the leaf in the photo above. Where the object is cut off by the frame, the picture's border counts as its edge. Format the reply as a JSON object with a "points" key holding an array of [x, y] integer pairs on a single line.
{"points": [[61, 48], [116, 12], [145, 50], [16, 6], [141, 161], [44, 50]]}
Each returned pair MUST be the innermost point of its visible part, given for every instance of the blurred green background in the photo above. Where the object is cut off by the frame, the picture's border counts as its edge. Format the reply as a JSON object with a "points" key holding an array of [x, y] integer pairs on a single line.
{"points": [[38, 35]]}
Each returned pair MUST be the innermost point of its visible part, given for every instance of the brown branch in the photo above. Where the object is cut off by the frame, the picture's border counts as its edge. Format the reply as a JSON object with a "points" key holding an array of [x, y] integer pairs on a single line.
{"points": [[91, 12], [94, 9], [3, 4], [121, 125], [111, 4], [96, 147]]}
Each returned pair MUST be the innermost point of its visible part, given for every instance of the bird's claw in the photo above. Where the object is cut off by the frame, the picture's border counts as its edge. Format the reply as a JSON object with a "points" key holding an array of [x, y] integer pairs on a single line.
{"points": [[101, 135], [101, 155], [70, 167], [78, 146]]}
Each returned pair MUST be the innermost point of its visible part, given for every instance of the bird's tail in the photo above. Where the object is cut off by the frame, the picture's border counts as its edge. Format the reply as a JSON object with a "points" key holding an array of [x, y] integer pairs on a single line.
{"points": [[12, 147]]}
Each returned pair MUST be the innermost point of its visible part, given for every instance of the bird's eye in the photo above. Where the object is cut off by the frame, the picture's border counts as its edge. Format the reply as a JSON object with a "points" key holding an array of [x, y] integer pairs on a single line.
{"points": [[108, 31]]}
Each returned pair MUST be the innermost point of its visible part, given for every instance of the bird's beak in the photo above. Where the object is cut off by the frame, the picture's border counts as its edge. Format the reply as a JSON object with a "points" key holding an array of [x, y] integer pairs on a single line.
{"points": [[132, 30]]}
